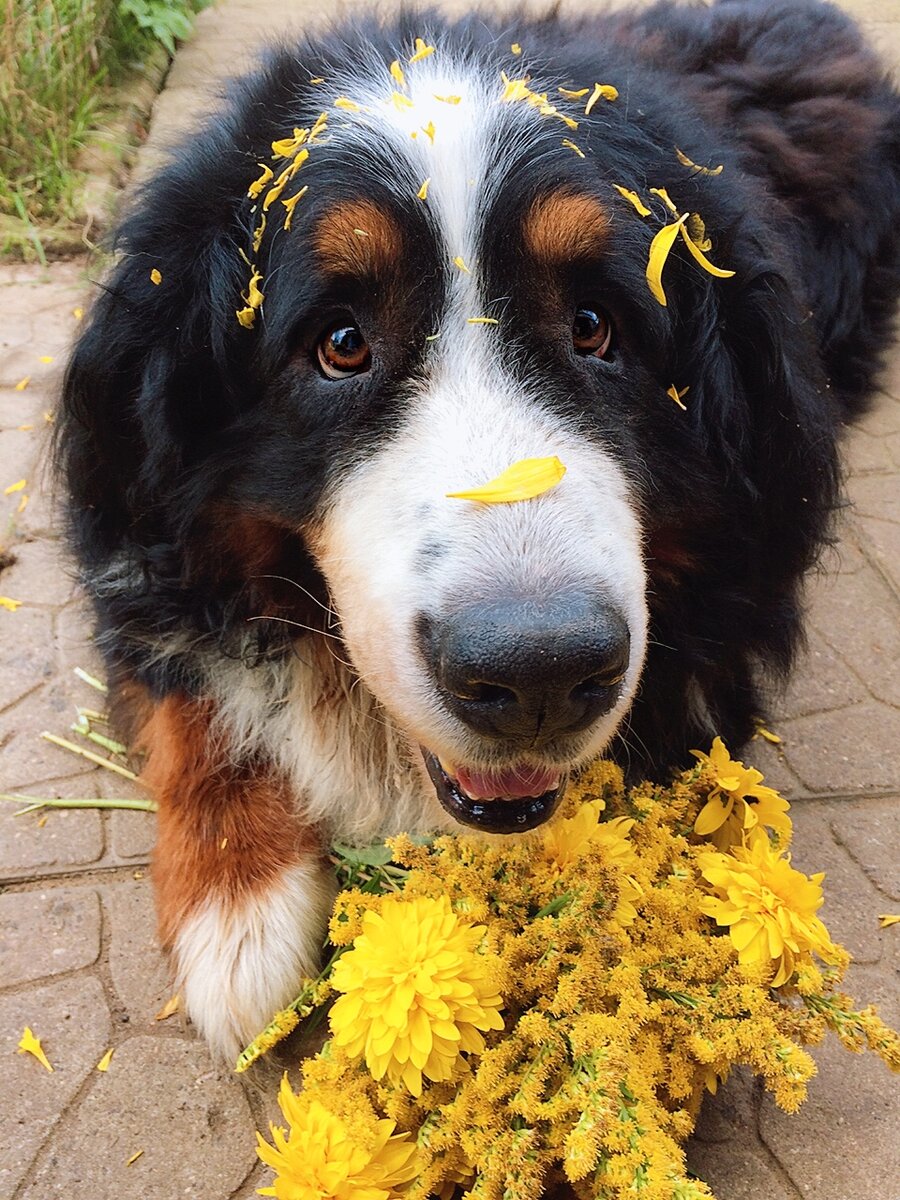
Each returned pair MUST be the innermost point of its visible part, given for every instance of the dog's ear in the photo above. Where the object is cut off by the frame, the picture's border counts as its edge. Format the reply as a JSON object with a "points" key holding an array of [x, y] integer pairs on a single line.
{"points": [[154, 370]]}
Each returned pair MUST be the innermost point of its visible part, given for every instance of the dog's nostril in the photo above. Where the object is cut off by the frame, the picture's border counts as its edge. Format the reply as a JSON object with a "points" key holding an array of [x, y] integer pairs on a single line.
{"points": [[485, 693]]}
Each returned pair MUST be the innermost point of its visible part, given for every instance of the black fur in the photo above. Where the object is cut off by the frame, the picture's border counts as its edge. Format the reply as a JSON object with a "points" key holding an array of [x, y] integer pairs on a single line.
{"points": [[174, 419]]}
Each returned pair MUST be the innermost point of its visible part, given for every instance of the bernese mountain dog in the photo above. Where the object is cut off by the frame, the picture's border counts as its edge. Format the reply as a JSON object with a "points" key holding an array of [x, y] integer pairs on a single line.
{"points": [[659, 244]]}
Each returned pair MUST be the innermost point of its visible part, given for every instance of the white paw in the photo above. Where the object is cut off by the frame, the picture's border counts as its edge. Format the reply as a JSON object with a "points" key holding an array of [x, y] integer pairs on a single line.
{"points": [[239, 961]]}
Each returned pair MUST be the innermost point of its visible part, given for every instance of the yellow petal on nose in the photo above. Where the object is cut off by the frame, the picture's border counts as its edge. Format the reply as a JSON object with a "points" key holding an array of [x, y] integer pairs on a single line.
{"points": [[524, 480]]}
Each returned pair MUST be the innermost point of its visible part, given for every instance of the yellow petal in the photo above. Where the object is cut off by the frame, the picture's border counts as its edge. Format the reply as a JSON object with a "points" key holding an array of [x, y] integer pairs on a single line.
{"points": [[169, 1008], [768, 735], [573, 95], [246, 316], [29, 1044], [428, 130], [448, 99], [422, 50], [14, 487], [422, 193], [659, 252], [46, 358], [8, 604], [156, 276], [103, 1064], [401, 102], [482, 321], [397, 72], [666, 199], [290, 204], [254, 296], [686, 162], [23, 504], [23, 384], [570, 145], [77, 313], [703, 260], [675, 395], [634, 199], [604, 90], [524, 480], [134, 1158], [516, 48], [346, 104], [460, 262], [318, 79], [258, 232], [288, 147], [886, 920]]}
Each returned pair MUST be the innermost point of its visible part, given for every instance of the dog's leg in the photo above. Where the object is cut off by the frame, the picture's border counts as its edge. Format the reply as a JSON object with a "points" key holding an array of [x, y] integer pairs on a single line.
{"points": [[242, 893]]}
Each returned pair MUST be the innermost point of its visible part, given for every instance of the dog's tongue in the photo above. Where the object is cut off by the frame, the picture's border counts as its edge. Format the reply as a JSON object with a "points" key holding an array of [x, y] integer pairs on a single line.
{"points": [[511, 784]]}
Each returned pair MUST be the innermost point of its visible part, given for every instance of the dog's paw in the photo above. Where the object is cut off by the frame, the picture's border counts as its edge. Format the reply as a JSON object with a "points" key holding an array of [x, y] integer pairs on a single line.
{"points": [[238, 961]]}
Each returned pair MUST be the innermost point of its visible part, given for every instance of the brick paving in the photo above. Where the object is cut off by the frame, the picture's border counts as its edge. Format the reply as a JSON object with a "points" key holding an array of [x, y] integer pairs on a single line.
{"points": [[78, 960]]}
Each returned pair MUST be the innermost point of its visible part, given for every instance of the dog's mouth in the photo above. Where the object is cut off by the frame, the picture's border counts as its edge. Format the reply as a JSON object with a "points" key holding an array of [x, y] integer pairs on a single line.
{"points": [[511, 800]]}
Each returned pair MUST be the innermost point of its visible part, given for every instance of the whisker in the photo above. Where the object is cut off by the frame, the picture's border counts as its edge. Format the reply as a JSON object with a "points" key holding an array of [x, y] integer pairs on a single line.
{"points": [[299, 625]]}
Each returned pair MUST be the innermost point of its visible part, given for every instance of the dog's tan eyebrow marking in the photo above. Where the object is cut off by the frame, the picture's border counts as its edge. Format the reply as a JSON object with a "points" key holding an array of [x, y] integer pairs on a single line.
{"points": [[356, 237], [565, 225]]}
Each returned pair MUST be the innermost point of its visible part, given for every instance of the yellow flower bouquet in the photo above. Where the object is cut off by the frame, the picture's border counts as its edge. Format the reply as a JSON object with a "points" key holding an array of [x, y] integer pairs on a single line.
{"points": [[510, 1017]]}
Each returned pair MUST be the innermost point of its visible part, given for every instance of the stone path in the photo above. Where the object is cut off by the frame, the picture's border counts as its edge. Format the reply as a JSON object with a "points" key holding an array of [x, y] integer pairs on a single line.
{"points": [[78, 959]]}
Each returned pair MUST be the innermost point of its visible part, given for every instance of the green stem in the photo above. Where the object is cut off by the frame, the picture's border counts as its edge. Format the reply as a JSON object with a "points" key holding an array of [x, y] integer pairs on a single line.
{"points": [[36, 802]]}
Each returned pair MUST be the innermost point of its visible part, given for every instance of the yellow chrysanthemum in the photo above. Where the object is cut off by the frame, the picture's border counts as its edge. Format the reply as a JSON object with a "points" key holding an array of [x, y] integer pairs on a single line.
{"points": [[728, 815], [565, 840], [324, 1158], [769, 907], [416, 992]]}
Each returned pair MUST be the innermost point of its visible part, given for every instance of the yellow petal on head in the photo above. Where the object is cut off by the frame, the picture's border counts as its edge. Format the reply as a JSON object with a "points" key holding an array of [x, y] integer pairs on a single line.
{"points": [[288, 147], [422, 193], [886, 920], [686, 162], [573, 95], [246, 316], [702, 259], [22, 384], [603, 91], [290, 204], [258, 233], [570, 145], [460, 262], [14, 487], [675, 395], [422, 50], [346, 104], [659, 252], [318, 79], [397, 72], [666, 199], [254, 296], [524, 480], [103, 1064], [634, 199], [320, 123], [29, 1044], [482, 321], [697, 230], [156, 276], [428, 130], [568, 121], [448, 99], [516, 48]]}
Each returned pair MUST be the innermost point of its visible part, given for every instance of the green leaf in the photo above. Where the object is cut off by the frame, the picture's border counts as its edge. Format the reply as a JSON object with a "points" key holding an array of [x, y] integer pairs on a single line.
{"points": [[364, 856]]}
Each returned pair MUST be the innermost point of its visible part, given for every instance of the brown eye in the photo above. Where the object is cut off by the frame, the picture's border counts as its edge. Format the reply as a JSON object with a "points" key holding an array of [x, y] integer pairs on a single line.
{"points": [[591, 332], [343, 352]]}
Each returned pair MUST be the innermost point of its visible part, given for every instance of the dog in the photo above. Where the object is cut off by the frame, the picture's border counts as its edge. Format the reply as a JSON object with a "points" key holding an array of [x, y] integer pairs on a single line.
{"points": [[321, 327]]}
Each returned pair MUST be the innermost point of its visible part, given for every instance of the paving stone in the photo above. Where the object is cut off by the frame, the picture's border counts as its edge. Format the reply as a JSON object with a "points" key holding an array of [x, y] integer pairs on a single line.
{"points": [[851, 902], [65, 840], [844, 752], [75, 646], [845, 1141], [858, 617], [48, 932], [740, 1170], [138, 969], [38, 575], [25, 757], [821, 682], [26, 651], [71, 1019], [162, 1096], [18, 456], [870, 835], [132, 834]]}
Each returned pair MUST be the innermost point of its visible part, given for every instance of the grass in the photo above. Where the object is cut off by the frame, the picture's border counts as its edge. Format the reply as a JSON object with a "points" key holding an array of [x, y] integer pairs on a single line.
{"points": [[59, 60]]}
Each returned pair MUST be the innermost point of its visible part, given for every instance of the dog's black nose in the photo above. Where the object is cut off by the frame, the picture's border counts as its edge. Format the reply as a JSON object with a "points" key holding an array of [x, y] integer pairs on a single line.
{"points": [[528, 668]]}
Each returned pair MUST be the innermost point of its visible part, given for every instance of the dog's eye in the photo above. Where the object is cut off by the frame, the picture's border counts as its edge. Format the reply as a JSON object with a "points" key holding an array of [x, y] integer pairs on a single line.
{"points": [[343, 352], [592, 332]]}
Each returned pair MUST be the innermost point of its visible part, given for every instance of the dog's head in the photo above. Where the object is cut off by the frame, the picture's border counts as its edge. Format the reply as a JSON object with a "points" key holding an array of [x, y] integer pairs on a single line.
{"points": [[443, 280]]}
